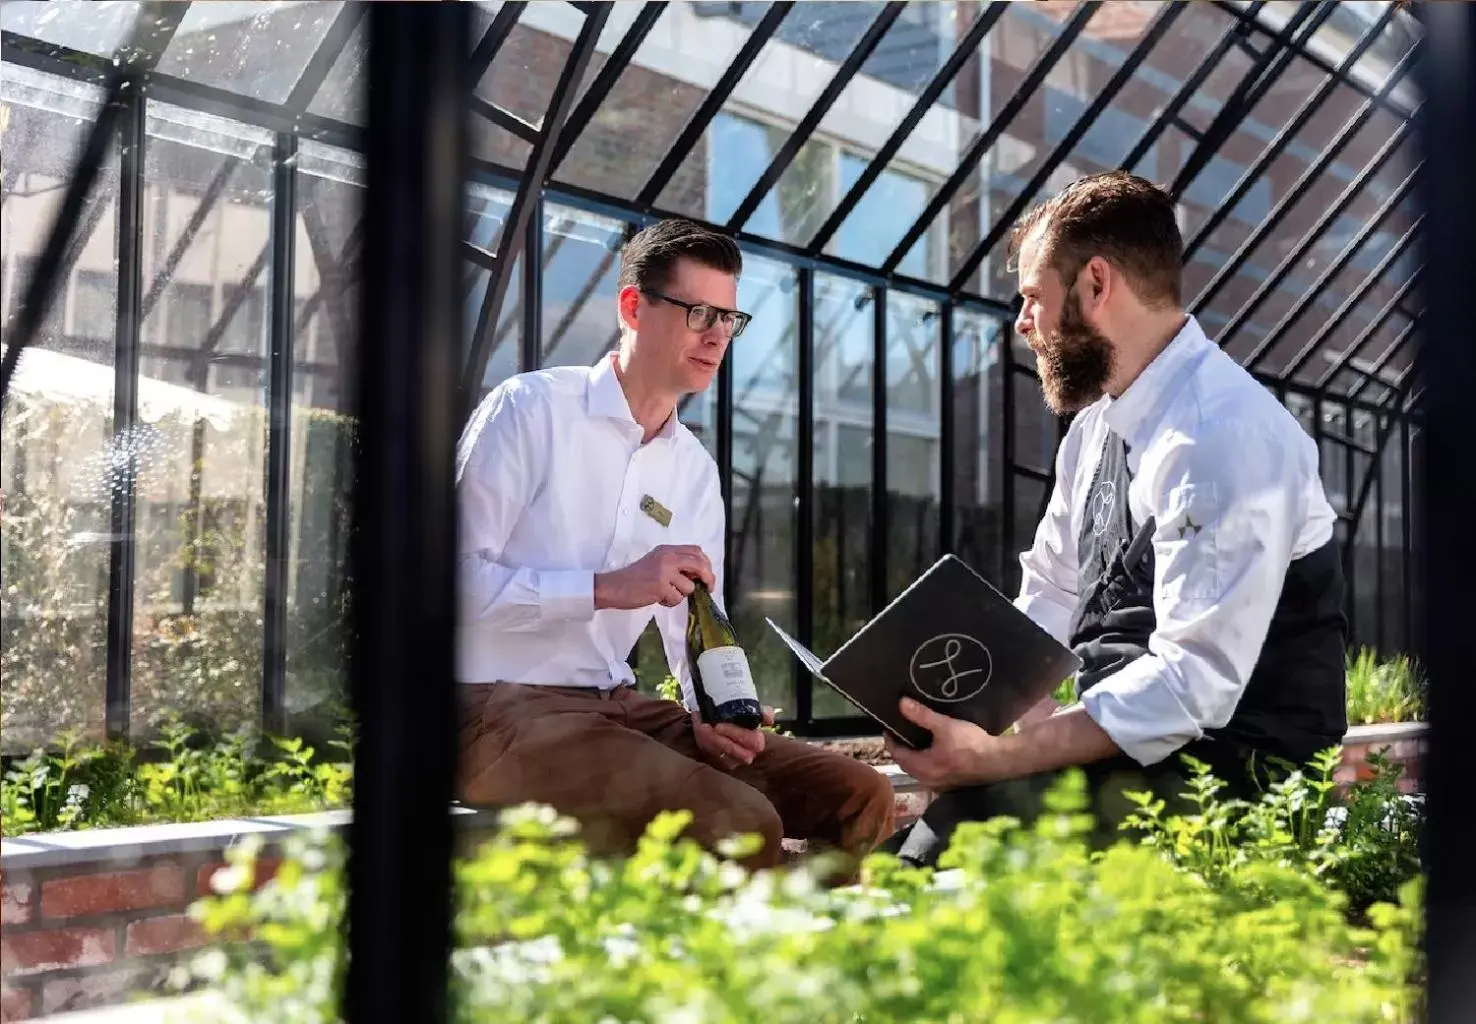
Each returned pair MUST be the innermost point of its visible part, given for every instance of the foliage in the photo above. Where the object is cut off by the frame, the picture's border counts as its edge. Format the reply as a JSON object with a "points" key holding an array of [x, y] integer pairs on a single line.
{"points": [[1384, 690], [190, 778], [1022, 925], [199, 568], [1365, 845]]}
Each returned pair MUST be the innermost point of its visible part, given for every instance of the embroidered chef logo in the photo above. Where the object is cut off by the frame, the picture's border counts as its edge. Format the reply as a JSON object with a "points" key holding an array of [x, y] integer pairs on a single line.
{"points": [[1102, 502], [950, 667]]}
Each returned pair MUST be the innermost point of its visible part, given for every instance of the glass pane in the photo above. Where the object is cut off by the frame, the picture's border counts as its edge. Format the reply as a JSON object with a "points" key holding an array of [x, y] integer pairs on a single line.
{"points": [[914, 427], [581, 261], [880, 95], [97, 28], [764, 364], [1030, 498], [200, 565], [507, 337], [342, 94], [844, 357], [326, 301], [977, 441], [256, 49], [886, 211], [789, 74], [652, 101], [737, 150], [56, 472]]}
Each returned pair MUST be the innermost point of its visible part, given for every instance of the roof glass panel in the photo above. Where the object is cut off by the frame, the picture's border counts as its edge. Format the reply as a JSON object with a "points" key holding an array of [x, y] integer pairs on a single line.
{"points": [[258, 49], [96, 28], [342, 93], [670, 75]]}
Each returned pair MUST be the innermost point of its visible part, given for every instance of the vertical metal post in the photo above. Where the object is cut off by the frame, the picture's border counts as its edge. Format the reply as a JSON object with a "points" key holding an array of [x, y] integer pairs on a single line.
{"points": [[404, 536], [1448, 475], [724, 457], [530, 354], [946, 439], [1378, 510], [121, 549], [279, 433], [1350, 596], [804, 533], [1406, 557], [1007, 455], [877, 598]]}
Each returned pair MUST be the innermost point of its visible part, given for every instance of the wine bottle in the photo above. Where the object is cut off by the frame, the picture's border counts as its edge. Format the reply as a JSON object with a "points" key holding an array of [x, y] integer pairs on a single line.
{"points": [[720, 671]]}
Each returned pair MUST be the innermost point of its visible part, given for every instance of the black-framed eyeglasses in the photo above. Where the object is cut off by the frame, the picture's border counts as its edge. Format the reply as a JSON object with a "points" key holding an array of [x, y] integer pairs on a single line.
{"points": [[702, 315]]}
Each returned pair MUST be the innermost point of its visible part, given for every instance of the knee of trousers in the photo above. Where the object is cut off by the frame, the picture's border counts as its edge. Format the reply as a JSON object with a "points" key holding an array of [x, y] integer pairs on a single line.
{"points": [[721, 807]]}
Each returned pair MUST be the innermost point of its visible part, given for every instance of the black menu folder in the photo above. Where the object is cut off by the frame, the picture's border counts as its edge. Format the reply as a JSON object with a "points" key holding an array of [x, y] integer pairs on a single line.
{"points": [[952, 642]]}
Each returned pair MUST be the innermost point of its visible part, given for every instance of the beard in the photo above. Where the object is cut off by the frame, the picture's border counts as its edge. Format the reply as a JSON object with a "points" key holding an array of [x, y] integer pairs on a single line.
{"points": [[1074, 362]]}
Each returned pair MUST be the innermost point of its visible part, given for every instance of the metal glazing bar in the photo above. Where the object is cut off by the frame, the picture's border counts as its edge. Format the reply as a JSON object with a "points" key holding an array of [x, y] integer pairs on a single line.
{"points": [[492, 40], [279, 435], [475, 254], [122, 510], [967, 47], [712, 103], [1238, 106], [947, 472], [795, 140], [1400, 340], [1284, 137], [1007, 496], [1300, 250], [508, 122], [880, 528], [204, 206], [1353, 444], [588, 201], [524, 202], [985, 142], [1169, 115], [1406, 553], [1167, 14], [327, 52], [724, 459], [1311, 176], [1378, 502], [42, 288], [804, 484], [1346, 357], [604, 81], [1336, 318], [1386, 430], [403, 548], [1317, 60], [1038, 475], [1332, 270], [530, 354]]}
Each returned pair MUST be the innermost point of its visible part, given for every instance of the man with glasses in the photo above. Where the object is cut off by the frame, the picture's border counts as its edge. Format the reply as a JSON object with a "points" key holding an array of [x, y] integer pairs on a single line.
{"points": [[586, 510]]}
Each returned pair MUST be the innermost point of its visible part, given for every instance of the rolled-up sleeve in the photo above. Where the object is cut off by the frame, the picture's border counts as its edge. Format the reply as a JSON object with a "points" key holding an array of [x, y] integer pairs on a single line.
{"points": [[499, 462], [1226, 508]]}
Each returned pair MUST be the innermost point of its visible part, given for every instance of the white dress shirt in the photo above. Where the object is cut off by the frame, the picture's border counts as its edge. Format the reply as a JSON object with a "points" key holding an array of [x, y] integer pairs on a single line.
{"points": [[1232, 479], [550, 475]]}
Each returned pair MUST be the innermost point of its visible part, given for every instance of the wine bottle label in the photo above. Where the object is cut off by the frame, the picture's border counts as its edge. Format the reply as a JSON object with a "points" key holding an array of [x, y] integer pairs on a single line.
{"points": [[725, 675]]}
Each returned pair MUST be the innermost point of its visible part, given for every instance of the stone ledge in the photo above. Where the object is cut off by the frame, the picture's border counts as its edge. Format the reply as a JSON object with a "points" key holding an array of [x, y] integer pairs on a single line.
{"points": [[1385, 732]]}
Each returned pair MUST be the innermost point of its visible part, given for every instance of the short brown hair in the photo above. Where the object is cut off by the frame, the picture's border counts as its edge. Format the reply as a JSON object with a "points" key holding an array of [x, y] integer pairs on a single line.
{"points": [[1125, 219], [648, 257]]}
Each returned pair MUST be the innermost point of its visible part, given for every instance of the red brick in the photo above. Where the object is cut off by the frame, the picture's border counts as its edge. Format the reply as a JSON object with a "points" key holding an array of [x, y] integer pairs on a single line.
{"points": [[16, 906], [56, 948], [162, 935], [111, 891], [266, 870], [107, 988], [16, 1003]]}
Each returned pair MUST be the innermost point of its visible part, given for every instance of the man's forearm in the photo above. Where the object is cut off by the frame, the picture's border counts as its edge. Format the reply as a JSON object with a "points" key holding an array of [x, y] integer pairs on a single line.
{"points": [[1060, 741]]}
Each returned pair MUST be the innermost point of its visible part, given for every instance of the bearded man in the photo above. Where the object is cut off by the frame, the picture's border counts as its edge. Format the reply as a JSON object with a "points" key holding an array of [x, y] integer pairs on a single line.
{"points": [[1187, 555]]}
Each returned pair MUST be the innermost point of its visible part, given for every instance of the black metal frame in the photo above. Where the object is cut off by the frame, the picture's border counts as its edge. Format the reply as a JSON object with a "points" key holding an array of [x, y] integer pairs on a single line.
{"points": [[522, 244]]}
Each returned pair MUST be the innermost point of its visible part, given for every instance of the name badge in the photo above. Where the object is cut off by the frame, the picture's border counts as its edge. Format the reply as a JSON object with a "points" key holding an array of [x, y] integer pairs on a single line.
{"points": [[656, 510]]}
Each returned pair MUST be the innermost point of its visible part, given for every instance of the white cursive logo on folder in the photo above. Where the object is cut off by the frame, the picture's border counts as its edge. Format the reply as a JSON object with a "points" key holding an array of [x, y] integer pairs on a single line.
{"points": [[950, 667]]}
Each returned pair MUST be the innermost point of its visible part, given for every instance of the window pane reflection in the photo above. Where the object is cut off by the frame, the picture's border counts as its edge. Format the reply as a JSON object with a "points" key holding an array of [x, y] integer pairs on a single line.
{"points": [[914, 426]]}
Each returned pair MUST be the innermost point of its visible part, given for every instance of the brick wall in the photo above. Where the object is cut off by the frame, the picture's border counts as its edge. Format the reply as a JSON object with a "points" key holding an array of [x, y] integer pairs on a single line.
{"points": [[91, 933]]}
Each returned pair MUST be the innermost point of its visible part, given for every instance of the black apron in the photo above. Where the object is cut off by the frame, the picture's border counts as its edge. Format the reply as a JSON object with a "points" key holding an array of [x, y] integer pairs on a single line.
{"points": [[1295, 701], [1293, 706]]}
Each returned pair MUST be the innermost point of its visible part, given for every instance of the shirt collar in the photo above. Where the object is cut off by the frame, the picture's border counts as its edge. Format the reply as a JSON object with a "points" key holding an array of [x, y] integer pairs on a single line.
{"points": [[1133, 414], [605, 397]]}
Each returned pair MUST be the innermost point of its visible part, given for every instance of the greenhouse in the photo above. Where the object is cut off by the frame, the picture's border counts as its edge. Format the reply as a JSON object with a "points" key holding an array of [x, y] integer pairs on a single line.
{"points": [[246, 319]]}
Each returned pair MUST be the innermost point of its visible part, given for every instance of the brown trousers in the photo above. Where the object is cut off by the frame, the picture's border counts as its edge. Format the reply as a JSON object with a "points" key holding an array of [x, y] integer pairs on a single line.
{"points": [[614, 760]]}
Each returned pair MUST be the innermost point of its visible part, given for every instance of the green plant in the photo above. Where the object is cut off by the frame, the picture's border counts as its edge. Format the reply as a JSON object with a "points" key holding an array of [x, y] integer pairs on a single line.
{"points": [[1364, 845], [188, 777], [1383, 690], [1024, 925]]}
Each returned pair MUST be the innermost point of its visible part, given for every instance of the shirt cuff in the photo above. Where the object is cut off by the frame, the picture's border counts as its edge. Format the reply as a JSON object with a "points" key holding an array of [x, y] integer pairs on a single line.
{"points": [[565, 594], [1138, 708]]}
